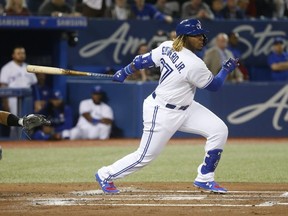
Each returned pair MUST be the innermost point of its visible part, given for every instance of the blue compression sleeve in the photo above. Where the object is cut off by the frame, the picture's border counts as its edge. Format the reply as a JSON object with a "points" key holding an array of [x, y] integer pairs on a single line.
{"points": [[217, 81]]}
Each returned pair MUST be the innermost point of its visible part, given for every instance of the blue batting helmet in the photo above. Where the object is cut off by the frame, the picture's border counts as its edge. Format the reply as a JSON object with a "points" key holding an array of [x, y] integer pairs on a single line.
{"points": [[190, 27]]}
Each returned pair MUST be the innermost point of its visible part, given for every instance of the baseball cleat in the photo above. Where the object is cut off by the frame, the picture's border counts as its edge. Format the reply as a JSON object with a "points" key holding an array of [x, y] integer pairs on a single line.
{"points": [[0, 152], [107, 187], [210, 186]]}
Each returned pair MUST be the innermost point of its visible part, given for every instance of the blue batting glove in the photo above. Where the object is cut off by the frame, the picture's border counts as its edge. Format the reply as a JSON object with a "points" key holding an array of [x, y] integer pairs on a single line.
{"points": [[120, 76], [230, 65]]}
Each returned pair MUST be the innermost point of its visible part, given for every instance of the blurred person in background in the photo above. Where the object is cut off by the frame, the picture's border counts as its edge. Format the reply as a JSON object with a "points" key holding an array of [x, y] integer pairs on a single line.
{"points": [[216, 8], [41, 92], [196, 9], [145, 11], [96, 8], [265, 9], [16, 8], [233, 46], [171, 8], [56, 8], [248, 7], [217, 54], [140, 75], [279, 9], [60, 116], [95, 120], [120, 10], [286, 9], [278, 60], [14, 75], [232, 11]]}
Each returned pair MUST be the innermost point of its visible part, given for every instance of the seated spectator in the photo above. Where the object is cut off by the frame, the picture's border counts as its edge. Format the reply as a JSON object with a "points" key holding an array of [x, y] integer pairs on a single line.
{"points": [[248, 7], [216, 8], [171, 8], [96, 8], [172, 35], [232, 11], [264, 9], [279, 9], [278, 60], [243, 6], [16, 8], [157, 39], [56, 8], [233, 46], [95, 120], [60, 116], [34, 6], [141, 75], [217, 54], [120, 10], [41, 92], [196, 9], [145, 11]]}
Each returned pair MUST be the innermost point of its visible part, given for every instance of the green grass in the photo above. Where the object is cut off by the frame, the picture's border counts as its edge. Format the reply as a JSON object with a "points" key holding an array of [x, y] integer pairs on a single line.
{"points": [[177, 163]]}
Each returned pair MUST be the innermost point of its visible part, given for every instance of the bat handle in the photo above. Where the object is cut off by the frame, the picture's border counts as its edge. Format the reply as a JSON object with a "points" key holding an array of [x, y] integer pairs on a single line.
{"points": [[109, 76]]}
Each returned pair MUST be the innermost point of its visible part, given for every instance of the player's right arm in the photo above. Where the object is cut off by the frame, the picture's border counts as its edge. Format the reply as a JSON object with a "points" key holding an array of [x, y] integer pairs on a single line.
{"points": [[147, 60], [219, 79], [139, 62]]}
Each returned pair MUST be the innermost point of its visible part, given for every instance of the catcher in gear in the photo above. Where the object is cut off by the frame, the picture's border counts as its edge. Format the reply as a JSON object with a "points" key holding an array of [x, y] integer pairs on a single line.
{"points": [[27, 122]]}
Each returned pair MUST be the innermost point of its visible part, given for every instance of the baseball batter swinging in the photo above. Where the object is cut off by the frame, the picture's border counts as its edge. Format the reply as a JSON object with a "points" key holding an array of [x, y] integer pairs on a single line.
{"points": [[171, 107]]}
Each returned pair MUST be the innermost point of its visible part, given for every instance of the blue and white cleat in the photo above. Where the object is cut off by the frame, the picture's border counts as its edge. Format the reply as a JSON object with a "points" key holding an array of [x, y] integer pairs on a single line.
{"points": [[210, 186], [107, 187]]}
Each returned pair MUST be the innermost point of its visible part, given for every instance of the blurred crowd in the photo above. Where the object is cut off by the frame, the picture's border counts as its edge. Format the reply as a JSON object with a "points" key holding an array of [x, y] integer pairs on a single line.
{"points": [[165, 10]]}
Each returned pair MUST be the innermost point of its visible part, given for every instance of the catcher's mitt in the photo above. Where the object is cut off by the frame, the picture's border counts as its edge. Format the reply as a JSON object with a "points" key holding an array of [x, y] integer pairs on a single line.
{"points": [[34, 120]]}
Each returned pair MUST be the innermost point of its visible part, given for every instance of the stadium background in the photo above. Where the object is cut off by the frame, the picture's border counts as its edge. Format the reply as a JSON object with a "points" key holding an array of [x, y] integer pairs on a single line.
{"points": [[106, 45], [254, 170]]}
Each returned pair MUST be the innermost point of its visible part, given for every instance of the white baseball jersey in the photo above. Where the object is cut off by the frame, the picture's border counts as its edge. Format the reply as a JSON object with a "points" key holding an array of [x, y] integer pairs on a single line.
{"points": [[96, 111], [181, 73], [16, 76], [171, 108]]}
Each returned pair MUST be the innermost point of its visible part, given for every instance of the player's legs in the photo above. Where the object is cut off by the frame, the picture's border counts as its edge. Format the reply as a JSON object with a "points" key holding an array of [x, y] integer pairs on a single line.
{"points": [[76, 133], [159, 125], [202, 121], [99, 131]]}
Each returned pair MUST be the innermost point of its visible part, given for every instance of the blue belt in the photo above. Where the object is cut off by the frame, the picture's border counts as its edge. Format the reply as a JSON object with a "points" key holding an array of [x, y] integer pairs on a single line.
{"points": [[171, 106]]}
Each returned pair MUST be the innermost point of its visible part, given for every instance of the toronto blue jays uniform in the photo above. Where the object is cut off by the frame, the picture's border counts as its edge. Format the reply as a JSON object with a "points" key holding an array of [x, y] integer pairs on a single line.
{"points": [[171, 107]]}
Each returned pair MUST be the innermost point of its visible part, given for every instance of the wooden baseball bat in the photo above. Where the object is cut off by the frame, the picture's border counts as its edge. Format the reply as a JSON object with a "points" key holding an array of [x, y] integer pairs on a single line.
{"points": [[61, 71]]}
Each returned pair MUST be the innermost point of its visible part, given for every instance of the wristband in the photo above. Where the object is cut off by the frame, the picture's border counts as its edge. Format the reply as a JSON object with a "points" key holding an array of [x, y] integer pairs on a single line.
{"points": [[95, 121]]}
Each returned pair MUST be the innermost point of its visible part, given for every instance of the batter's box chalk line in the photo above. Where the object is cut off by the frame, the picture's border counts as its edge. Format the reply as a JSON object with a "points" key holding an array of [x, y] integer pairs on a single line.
{"points": [[137, 197]]}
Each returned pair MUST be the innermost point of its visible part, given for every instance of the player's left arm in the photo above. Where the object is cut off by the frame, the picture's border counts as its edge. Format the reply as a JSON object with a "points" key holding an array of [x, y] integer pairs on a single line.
{"points": [[219, 79]]}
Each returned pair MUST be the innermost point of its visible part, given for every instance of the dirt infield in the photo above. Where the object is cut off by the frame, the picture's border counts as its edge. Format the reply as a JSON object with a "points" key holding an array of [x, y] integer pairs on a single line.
{"points": [[135, 199], [142, 199]]}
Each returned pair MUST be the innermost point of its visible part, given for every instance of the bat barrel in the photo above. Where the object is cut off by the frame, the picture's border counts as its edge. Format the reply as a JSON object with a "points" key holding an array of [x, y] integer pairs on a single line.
{"points": [[61, 71]]}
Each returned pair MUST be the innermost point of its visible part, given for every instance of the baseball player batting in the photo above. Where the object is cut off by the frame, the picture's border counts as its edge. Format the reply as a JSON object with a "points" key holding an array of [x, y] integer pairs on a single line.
{"points": [[171, 107]]}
